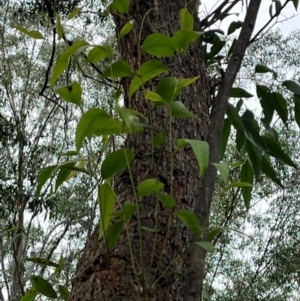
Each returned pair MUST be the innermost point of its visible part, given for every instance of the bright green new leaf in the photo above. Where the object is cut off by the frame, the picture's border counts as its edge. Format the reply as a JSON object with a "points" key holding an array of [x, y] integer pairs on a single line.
{"points": [[178, 109], [126, 212], [268, 170], [224, 138], [122, 6], [264, 69], [186, 81], [148, 70], [42, 261], [239, 184], [115, 162], [126, 28], [159, 44], [96, 122], [292, 86], [234, 26], [43, 286], [206, 245], [99, 53], [239, 92], [201, 151], [153, 96], [167, 200], [59, 28], [74, 13], [223, 169], [106, 199], [63, 291], [247, 175], [30, 294], [148, 186], [44, 175], [31, 33], [190, 220], [167, 88], [158, 140], [183, 38], [186, 19], [113, 234], [117, 69], [59, 67], [71, 93], [72, 49]]}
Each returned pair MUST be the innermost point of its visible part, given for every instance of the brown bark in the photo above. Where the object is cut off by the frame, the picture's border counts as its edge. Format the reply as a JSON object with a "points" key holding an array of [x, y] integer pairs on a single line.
{"points": [[112, 276]]}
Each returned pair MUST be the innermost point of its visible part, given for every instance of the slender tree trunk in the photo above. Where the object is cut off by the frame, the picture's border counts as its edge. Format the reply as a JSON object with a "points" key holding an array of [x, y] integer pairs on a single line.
{"points": [[158, 267]]}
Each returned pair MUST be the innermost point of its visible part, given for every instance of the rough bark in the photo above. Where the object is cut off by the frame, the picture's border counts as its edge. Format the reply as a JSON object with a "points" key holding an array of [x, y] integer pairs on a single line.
{"points": [[168, 275]]}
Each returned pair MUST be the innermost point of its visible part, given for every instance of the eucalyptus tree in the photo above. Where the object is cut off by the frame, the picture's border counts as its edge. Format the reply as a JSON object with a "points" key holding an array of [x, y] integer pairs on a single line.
{"points": [[156, 191]]}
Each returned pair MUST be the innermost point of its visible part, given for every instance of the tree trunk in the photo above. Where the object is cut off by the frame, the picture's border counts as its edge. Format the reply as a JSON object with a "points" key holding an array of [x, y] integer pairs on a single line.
{"points": [[159, 260]]}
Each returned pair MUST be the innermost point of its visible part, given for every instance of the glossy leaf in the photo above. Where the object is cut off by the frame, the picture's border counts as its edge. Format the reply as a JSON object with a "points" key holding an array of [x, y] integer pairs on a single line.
{"points": [[148, 70], [30, 294], [117, 69], [147, 187], [178, 109], [206, 245], [106, 199], [99, 53], [121, 6], [159, 44], [223, 169], [71, 93], [42, 261], [31, 33], [126, 28], [292, 86], [190, 220], [239, 92], [234, 26], [115, 162], [167, 200], [186, 19], [113, 234], [201, 151], [43, 286], [268, 170], [247, 175]]}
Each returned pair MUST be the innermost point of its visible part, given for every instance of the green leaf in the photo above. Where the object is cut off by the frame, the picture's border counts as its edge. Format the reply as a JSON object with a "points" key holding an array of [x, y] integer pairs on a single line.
{"points": [[206, 245], [126, 212], [268, 170], [267, 103], [59, 67], [167, 88], [264, 69], [153, 96], [239, 92], [184, 82], [43, 286], [280, 106], [31, 33], [296, 2], [99, 53], [44, 175], [115, 162], [224, 138], [234, 117], [186, 19], [63, 174], [71, 93], [158, 140], [42, 261], [234, 26], [201, 151], [292, 86], [95, 122], [276, 151], [126, 28], [182, 39], [223, 169], [148, 70], [63, 291], [147, 229], [74, 13], [61, 264], [247, 176], [122, 6], [117, 69], [113, 234], [255, 155], [190, 220], [148, 186], [159, 44], [178, 109], [129, 116], [297, 109], [59, 28], [217, 46], [239, 184], [167, 200], [30, 294], [106, 199], [240, 140], [71, 50], [212, 234]]}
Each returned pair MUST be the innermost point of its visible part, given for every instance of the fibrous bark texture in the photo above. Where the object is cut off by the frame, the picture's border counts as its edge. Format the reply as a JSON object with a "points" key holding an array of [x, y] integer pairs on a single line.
{"points": [[155, 269]]}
